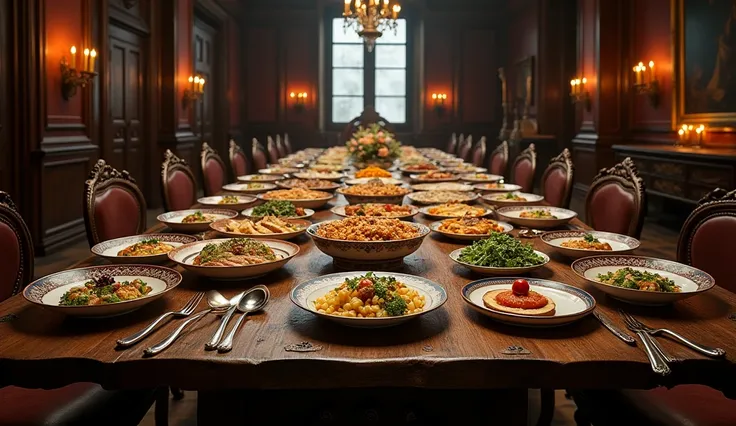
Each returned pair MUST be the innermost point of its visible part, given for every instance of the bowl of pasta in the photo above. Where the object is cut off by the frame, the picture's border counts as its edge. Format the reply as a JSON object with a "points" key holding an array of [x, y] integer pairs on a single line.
{"points": [[374, 192], [365, 299], [194, 220], [234, 258], [263, 227], [580, 243], [235, 202], [259, 178], [454, 209], [146, 248], [469, 228], [511, 199], [542, 217]]}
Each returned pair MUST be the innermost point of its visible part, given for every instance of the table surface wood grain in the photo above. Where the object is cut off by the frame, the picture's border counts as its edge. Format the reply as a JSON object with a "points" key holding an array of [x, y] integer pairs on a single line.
{"points": [[451, 348]]}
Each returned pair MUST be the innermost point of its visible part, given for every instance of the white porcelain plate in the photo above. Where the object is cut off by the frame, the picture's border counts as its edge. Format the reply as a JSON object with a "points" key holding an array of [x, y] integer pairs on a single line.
{"points": [[513, 214], [174, 219], [435, 226], [620, 244], [109, 249], [490, 270], [249, 187], [215, 202]]}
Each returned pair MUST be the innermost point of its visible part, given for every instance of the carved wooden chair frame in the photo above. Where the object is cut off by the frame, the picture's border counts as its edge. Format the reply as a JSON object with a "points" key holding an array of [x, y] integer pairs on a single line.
{"points": [[530, 154], [625, 175], [452, 146], [171, 164], [366, 118], [258, 147], [270, 143], [209, 153], [234, 151], [503, 150], [10, 216], [562, 161], [280, 147], [287, 144], [480, 145], [464, 143], [101, 177], [717, 203]]}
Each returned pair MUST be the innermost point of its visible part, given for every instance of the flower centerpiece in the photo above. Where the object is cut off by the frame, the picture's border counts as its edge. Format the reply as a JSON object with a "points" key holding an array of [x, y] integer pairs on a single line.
{"points": [[373, 146]]}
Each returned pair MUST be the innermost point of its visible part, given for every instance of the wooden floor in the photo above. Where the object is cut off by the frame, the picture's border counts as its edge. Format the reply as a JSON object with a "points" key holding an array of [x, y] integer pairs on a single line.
{"points": [[656, 241]]}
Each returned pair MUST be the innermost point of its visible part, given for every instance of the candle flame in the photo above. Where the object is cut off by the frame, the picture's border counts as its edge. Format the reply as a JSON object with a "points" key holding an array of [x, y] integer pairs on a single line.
{"points": [[93, 53], [74, 50], [191, 79]]}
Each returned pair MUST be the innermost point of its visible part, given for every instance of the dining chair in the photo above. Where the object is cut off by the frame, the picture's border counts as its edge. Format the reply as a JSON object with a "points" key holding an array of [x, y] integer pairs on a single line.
{"points": [[114, 206], [452, 144], [464, 146], [213, 170], [499, 159], [524, 167], [280, 146], [259, 155], [178, 185], [557, 180], [273, 152], [616, 200], [238, 160], [287, 144], [459, 142], [78, 403], [479, 152], [711, 224]]}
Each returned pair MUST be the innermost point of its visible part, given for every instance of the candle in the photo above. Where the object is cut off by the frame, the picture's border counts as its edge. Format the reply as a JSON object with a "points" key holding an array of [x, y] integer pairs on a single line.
{"points": [[196, 83], [572, 87], [582, 87], [191, 82], [74, 57], [86, 60], [397, 9], [347, 8], [681, 136], [651, 72], [201, 85], [385, 5], [92, 60]]}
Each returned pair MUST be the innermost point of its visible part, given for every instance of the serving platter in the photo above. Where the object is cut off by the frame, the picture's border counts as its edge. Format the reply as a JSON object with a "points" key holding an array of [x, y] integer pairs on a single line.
{"points": [[278, 171], [220, 227], [471, 177], [434, 226], [311, 203], [248, 188], [489, 270], [512, 214], [327, 188], [306, 293], [692, 281], [496, 187], [571, 303], [174, 219], [424, 197], [465, 169], [620, 244], [249, 213], [185, 255], [407, 170], [380, 199], [384, 180], [497, 200], [340, 211], [420, 178], [47, 291], [214, 202], [109, 249], [426, 211], [443, 186], [259, 178], [331, 176]]}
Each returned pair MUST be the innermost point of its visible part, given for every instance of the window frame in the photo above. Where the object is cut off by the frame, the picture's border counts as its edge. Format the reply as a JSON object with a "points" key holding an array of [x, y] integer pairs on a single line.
{"points": [[369, 74]]}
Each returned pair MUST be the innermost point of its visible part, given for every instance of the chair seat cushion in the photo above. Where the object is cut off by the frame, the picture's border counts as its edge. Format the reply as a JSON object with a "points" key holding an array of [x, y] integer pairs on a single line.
{"points": [[76, 404]]}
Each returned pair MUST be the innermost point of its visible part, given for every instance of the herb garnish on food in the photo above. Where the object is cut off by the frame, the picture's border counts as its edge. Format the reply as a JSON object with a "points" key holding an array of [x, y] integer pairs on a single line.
{"points": [[589, 238], [278, 208], [500, 251]]}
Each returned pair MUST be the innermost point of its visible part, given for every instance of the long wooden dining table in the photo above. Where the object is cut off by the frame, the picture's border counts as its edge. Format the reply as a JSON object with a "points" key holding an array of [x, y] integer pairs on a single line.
{"points": [[285, 347]]}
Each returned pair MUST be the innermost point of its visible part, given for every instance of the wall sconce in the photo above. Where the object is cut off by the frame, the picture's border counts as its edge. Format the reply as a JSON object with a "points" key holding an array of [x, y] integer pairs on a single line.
{"points": [[299, 99], [72, 76], [195, 90], [646, 83], [691, 135], [439, 102], [578, 93]]}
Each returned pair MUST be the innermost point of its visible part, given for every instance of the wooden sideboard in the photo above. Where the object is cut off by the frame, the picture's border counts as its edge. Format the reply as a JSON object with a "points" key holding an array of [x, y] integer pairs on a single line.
{"points": [[681, 173]]}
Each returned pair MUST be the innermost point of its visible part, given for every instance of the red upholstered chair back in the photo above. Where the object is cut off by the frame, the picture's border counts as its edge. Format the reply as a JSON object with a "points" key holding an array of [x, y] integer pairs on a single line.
{"points": [[213, 170], [280, 146], [452, 144], [557, 180], [708, 237], [287, 144], [524, 167], [273, 152], [499, 159], [366, 118], [463, 148], [259, 156], [460, 140], [178, 186], [616, 200], [16, 249], [479, 152], [238, 160], [114, 207]]}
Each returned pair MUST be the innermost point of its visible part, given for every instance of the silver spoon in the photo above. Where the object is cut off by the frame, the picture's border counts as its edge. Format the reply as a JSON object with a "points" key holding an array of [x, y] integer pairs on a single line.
{"points": [[217, 303], [215, 340], [252, 301]]}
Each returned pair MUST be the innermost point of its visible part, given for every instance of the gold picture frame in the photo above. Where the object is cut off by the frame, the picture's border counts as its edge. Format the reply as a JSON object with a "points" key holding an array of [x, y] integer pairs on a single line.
{"points": [[692, 100]]}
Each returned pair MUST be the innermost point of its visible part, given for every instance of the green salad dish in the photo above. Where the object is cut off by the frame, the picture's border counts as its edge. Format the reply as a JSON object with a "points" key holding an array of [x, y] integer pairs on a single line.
{"points": [[279, 208], [500, 254]]}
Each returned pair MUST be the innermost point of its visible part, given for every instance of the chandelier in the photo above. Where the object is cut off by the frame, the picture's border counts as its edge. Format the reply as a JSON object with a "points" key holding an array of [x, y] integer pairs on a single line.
{"points": [[370, 19]]}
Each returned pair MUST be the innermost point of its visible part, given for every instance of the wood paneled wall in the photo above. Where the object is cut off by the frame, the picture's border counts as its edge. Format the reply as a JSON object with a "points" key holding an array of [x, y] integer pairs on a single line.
{"points": [[130, 114]]}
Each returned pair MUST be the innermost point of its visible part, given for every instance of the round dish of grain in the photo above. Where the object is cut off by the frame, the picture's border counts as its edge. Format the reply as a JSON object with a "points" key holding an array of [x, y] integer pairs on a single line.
{"points": [[374, 192], [439, 197], [299, 197]]}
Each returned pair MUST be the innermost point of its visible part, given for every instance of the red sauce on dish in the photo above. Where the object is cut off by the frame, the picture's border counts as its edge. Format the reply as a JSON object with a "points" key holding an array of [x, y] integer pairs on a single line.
{"points": [[532, 300]]}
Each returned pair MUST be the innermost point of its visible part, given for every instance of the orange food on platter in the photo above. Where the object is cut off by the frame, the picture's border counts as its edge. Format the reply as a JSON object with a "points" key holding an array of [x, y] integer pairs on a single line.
{"points": [[519, 300]]}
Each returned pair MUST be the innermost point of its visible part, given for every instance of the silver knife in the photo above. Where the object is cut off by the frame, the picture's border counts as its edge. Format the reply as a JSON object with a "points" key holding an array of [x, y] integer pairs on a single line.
{"points": [[626, 337], [212, 344]]}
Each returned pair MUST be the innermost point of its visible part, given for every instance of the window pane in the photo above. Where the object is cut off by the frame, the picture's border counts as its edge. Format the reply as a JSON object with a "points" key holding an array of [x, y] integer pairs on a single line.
{"points": [[342, 35], [392, 109], [389, 37], [345, 109], [347, 82], [390, 56], [348, 55], [391, 82]]}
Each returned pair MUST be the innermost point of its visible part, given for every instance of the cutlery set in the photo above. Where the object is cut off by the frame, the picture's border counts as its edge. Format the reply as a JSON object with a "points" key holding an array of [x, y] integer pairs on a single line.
{"points": [[658, 358], [249, 301]]}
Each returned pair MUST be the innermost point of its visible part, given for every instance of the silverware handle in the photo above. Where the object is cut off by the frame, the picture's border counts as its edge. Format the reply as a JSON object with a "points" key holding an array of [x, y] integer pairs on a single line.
{"points": [[137, 337], [227, 343], [705, 350], [215, 340], [153, 350], [613, 329], [655, 359]]}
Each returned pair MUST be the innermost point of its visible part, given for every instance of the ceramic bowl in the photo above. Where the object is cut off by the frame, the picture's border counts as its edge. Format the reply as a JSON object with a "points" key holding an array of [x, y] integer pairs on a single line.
{"points": [[109, 249], [498, 200], [302, 224], [489, 270], [471, 177], [214, 202], [340, 211], [249, 187], [385, 181], [512, 215], [496, 187], [331, 176], [421, 178], [173, 219], [620, 244], [380, 199], [308, 214], [312, 203], [259, 178], [435, 226]]}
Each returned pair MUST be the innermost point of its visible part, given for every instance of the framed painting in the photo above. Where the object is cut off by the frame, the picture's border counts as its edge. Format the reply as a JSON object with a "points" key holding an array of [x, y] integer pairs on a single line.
{"points": [[704, 52], [524, 82]]}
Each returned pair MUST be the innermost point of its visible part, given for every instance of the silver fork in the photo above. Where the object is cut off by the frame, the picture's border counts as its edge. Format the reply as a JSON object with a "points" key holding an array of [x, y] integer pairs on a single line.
{"points": [[657, 358], [705, 350], [183, 312]]}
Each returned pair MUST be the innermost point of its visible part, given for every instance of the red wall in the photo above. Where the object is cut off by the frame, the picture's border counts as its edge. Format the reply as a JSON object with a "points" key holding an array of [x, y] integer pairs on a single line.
{"points": [[523, 42]]}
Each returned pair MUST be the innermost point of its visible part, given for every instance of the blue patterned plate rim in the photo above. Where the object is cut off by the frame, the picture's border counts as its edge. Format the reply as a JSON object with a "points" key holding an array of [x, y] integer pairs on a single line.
{"points": [[632, 242], [436, 286], [423, 229], [582, 294], [176, 251], [703, 279]]}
